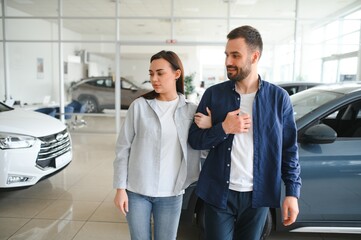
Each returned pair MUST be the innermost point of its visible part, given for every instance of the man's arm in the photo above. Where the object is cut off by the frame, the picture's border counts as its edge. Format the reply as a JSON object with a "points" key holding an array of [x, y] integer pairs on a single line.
{"points": [[290, 166]]}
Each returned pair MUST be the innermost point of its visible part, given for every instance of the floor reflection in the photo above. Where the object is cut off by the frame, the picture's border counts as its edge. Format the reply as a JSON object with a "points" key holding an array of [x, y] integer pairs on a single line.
{"points": [[77, 203]]}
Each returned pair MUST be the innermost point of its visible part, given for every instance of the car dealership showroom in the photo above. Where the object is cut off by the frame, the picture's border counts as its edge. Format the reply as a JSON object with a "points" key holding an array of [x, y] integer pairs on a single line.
{"points": [[70, 70]]}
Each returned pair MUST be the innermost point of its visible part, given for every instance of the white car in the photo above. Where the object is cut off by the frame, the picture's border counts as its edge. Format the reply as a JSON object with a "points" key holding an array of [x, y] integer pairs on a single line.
{"points": [[33, 146]]}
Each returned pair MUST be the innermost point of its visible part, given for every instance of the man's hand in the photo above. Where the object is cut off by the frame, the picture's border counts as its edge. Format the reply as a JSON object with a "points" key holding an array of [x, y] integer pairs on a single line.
{"points": [[121, 201], [236, 122], [290, 210]]}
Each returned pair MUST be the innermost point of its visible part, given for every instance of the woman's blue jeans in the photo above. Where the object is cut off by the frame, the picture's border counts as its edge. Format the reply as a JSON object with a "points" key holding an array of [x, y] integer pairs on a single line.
{"points": [[239, 221], [164, 210]]}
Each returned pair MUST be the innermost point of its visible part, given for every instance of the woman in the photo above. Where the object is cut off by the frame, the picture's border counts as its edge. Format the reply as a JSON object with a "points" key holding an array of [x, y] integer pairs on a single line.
{"points": [[154, 163]]}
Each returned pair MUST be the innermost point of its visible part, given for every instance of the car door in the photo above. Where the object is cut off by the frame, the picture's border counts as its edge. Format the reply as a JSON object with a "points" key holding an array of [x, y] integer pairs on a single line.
{"points": [[103, 92], [331, 173], [108, 93]]}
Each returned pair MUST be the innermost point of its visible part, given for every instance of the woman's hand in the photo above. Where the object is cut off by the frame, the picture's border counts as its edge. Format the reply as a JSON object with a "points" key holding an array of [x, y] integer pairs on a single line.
{"points": [[203, 121], [121, 201]]}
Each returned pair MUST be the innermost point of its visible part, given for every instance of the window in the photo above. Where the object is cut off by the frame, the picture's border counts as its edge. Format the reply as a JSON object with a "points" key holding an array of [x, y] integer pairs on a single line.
{"points": [[346, 120]]}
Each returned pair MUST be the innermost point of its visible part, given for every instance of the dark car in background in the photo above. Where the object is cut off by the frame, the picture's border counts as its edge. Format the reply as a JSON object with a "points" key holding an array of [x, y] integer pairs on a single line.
{"points": [[328, 120], [295, 87], [98, 93]]}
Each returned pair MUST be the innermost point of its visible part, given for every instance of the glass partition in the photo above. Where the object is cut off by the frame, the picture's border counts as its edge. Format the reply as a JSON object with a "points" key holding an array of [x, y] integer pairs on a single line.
{"points": [[253, 9], [303, 40], [2, 79], [1, 30], [89, 85], [145, 30], [348, 69], [31, 8], [350, 42], [196, 9], [34, 66], [200, 30], [88, 30], [86, 8], [144, 8], [325, 10], [276, 63], [31, 29]]}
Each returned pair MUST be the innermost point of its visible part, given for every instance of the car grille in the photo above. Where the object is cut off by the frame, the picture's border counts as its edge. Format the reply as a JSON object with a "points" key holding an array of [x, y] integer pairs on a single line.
{"points": [[53, 146]]}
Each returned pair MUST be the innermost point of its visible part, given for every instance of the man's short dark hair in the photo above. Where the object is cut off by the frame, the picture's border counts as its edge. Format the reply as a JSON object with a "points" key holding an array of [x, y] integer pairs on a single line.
{"points": [[251, 36]]}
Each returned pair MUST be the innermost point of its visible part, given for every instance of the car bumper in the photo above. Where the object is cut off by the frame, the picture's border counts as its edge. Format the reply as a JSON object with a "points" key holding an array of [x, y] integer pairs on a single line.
{"points": [[18, 167]]}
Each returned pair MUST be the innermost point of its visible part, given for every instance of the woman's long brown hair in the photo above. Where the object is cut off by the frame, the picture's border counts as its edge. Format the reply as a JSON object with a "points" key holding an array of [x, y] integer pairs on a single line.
{"points": [[176, 64]]}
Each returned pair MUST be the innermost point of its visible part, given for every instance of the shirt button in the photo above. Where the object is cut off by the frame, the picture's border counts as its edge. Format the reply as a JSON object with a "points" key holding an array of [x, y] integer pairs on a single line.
{"points": [[212, 146], [229, 149], [228, 165], [237, 98], [227, 182]]}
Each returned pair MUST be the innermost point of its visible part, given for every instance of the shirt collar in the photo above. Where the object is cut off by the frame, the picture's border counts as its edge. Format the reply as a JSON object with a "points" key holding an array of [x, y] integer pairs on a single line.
{"points": [[182, 101]]}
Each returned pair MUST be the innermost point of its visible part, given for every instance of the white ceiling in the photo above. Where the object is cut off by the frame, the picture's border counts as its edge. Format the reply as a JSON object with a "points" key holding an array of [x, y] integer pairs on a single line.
{"points": [[194, 21]]}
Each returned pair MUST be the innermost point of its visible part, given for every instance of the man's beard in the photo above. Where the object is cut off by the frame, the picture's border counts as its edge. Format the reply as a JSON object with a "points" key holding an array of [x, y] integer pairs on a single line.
{"points": [[241, 74]]}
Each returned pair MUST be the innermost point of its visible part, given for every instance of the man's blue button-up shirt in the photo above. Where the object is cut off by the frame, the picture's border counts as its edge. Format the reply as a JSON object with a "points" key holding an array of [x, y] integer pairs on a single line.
{"points": [[275, 145]]}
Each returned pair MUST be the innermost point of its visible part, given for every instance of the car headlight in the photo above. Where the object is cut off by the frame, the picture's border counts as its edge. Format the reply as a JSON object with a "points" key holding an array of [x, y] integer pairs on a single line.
{"points": [[13, 141]]}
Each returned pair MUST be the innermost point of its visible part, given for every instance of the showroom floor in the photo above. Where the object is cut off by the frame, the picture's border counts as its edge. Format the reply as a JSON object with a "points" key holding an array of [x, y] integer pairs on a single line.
{"points": [[78, 204]]}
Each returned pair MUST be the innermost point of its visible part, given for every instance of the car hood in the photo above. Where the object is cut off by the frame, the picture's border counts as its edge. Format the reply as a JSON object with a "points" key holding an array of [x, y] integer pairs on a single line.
{"points": [[29, 122]]}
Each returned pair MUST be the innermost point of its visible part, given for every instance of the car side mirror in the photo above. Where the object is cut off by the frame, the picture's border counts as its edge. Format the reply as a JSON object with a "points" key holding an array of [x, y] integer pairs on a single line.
{"points": [[319, 134]]}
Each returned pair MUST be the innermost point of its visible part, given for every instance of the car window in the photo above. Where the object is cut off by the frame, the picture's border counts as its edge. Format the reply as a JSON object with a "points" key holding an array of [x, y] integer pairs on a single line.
{"points": [[333, 115], [128, 85], [108, 83], [291, 90], [100, 83], [103, 83], [306, 101], [93, 83], [359, 115], [346, 120]]}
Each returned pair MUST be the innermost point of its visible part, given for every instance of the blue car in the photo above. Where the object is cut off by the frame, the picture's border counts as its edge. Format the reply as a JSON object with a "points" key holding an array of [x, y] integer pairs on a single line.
{"points": [[328, 119]]}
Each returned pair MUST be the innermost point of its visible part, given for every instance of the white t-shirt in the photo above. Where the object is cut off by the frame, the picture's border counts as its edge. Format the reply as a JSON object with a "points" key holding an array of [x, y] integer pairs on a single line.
{"points": [[241, 178], [171, 152]]}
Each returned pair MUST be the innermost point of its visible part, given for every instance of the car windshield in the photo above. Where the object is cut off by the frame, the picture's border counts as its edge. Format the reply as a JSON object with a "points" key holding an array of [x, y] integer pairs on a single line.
{"points": [[306, 101]]}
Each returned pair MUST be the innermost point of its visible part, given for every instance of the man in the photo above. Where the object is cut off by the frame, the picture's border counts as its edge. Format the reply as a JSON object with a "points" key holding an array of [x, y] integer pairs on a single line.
{"points": [[252, 145]]}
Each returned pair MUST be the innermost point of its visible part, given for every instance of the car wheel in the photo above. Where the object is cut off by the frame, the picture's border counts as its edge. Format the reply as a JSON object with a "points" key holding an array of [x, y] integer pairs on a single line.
{"points": [[267, 227], [91, 105]]}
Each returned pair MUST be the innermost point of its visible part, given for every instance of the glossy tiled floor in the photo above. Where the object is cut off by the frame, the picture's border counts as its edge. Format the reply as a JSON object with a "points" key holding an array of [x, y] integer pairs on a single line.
{"points": [[77, 203]]}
